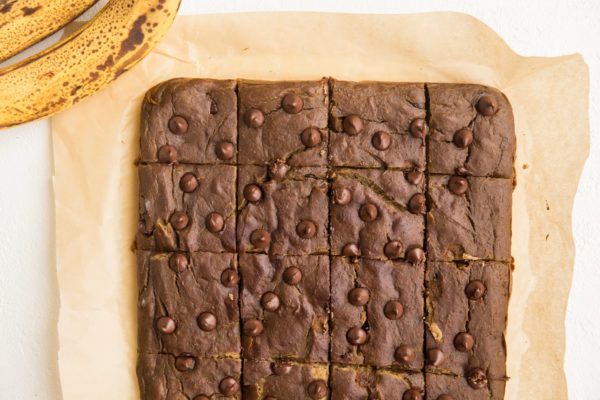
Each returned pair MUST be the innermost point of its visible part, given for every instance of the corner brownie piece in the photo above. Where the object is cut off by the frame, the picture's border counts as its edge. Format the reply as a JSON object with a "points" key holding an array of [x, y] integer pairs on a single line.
{"points": [[282, 210], [190, 120], [376, 213], [458, 388], [352, 382], [283, 121], [374, 124], [187, 207], [188, 303], [284, 307], [469, 218], [285, 380], [466, 317], [377, 313], [471, 129], [169, 377]]}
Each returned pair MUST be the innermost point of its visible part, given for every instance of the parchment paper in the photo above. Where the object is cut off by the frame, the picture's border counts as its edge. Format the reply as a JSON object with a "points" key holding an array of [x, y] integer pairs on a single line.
{"points": [[96, 144]]}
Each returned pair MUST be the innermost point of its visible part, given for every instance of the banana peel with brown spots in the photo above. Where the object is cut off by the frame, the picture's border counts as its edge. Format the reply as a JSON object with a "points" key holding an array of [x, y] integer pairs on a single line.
{"points": [[117, 38]]}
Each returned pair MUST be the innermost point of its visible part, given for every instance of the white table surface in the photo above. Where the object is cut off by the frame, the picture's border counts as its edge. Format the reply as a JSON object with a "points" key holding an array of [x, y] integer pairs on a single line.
{"points": [[28, 288]]}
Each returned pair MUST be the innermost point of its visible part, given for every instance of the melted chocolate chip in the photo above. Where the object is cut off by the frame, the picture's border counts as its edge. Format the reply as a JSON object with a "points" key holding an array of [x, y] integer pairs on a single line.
{"points": [[167, 154], [350, 250], [214, 222], [229, 278], [393, 249], [292, 276], [179, 220], [185, 362], [435, 357], [178, 262], [357, 336], [381, 140], [353, 125], [229, 386], [477, 378], [253, 327], [445, 397], [475, 290], [358, 296], [252, 193], [310, 137], [487, 105], [281, 369], [207, 321], [270, 301], [278, 170], [292, 103], [317, 389], [368, 212], [412, 394], [260, 239], [463, 138], [188, 182], [418, 128], [342, 196], [464, 342], [254, 118], [224, 150], [393, 310], [306, 229], [415, 255], [166, 325], [415, 177], [458, 184], [417, 204], [178, 125], [405, 354]]}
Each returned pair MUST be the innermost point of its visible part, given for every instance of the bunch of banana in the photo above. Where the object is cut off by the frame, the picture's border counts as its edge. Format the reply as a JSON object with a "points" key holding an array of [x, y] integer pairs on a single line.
{"points": [[119, 36], [26, 22]]}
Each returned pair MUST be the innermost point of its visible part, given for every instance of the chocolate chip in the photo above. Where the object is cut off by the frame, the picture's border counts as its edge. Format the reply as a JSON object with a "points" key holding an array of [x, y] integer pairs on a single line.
{"points": [[292, 276], [350, 250], [278, 170], [353, 125], [310, 137], [292, 103], [393, 249], [458, 184], [179, 220], [252, 193], [342, 196], [166, 325], [487, 105], [435, 357], [260, 239], [185, 362], [381, 140], [214, 222], [405, 354], [188, 182], [357, 336], [412, 394], [178, 262], [254, 118], [229, 278], [463, 138], [201, 397], [358, 296], [475, 289], [477, 378], [445, 397], [270, 301], [368, 212], [317, 389], [415, 255], [167, 154], [414, 177], [178, 125], [224, 150], [281, 369], [207, 321], [417, 204], [306, 229], [418, 128], [229, 386], [253, 327], [393, 309], [464, 342]]}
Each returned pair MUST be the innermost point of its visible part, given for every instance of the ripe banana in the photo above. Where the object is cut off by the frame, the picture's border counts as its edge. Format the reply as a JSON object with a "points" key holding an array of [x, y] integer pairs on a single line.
{"points": [[119, 36], [26, 22]]}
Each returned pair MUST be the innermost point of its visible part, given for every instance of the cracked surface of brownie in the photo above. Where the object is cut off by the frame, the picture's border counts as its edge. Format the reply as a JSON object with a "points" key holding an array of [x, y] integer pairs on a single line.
{"points": [[354, 382], [458, 387]]}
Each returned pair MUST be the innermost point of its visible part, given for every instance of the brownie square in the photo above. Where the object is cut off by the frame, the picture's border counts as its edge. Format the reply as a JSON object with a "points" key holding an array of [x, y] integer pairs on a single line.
{"points": [[285, 214], [352, 382], [285, 380], [370, 124], [457, 119], [371, 208], [370, 327], [466, 316], [168, 377], [284, 306], [186, 305], [459, 388], [190, 120], [283, 121], [187, 207], [472, 225]]}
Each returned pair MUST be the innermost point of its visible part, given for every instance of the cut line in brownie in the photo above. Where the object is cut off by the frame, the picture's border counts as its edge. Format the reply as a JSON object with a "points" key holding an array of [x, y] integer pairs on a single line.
{"points": [[463, 388], [356, 382]]}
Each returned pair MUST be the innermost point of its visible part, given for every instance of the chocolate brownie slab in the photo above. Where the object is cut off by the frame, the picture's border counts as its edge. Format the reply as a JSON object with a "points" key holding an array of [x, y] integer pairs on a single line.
{"points": [[466, 317], [471, 130], [187, 207], [178, 377], [283, 121], [285, 380], [190, 120], [376, 214], [469, 218], [282, 210], [375, 124], [377, 313], [188, 303], [284, 307], [352, 382], [474, 387]]}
